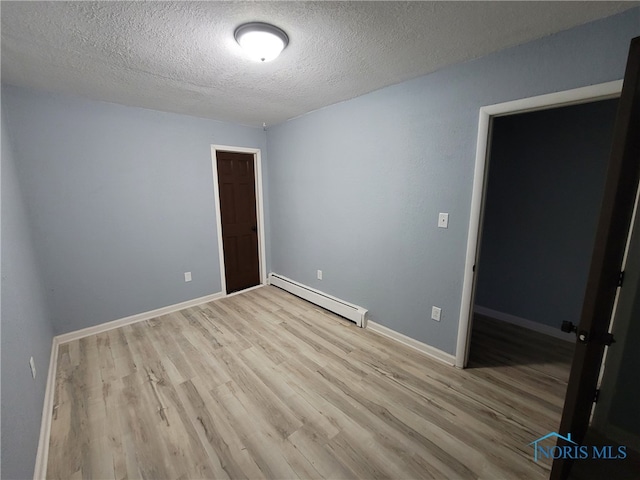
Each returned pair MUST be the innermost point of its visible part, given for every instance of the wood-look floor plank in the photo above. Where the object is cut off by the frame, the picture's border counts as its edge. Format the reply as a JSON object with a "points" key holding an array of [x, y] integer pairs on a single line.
{"points": [[314, 449], [265, 385]]}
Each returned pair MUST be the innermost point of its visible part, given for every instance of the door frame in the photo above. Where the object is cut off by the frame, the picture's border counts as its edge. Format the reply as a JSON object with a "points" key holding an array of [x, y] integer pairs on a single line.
{"points": [[619, 325], [602, 91], [257, 164]]}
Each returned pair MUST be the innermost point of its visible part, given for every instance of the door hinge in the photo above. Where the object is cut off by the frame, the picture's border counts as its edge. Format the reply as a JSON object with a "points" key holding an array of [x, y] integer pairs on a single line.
{"points": [[608, 340], [621, 278], [596, 395]]}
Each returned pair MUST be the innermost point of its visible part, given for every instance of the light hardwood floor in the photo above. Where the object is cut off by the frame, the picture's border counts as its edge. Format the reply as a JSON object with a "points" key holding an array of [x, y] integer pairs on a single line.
{"points": [[265, 385]]}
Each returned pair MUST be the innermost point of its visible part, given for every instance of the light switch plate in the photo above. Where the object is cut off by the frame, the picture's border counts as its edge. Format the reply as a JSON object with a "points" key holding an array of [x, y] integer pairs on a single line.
{"points": [[443, 220]]}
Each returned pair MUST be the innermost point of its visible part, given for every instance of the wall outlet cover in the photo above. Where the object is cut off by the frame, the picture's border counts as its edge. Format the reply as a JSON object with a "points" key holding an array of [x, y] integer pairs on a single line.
{"points": [[319, 274], [443, 220], [187, 276], [435, 313]]}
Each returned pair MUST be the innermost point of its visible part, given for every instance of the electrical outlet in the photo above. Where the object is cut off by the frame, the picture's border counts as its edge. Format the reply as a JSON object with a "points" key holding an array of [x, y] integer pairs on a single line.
{"points": [[435, 313], [187, 276], [319, 275], [32, 364], [443, 220]]}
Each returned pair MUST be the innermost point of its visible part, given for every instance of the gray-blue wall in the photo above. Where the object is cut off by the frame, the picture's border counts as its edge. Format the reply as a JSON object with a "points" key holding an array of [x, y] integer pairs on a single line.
{"points": [[355, 188], [546, 177], [25, 324], [105, 206], [122, 202]]}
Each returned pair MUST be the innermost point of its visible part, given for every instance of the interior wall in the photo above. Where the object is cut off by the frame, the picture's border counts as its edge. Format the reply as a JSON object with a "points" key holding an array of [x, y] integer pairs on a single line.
{"points": [[25, 323], [356, 187], [546, 179], [122, 202]]}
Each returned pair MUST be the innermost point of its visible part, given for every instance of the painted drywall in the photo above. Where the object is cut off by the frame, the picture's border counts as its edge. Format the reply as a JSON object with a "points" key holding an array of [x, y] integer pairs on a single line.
{"points": [[356, 188], [122, 202], [26, 326], [546, 177]]}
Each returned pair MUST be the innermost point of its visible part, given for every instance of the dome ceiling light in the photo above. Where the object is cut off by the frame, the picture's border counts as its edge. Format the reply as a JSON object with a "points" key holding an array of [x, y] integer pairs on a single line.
{"points": [[262, 42]]}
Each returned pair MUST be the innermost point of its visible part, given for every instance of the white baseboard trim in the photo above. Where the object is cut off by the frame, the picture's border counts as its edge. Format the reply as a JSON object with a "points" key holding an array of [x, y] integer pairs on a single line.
{"points": [[413, 343], [523, 322], [42, 457], [139, 317]]}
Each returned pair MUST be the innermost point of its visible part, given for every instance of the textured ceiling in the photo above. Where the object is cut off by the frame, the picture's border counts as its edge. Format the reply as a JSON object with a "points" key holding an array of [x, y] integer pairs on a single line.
{"points": [[182, 57]]}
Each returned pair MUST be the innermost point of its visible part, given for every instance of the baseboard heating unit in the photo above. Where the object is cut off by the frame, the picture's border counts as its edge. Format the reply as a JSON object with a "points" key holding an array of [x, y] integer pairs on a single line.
{"points": [[344, 309]]}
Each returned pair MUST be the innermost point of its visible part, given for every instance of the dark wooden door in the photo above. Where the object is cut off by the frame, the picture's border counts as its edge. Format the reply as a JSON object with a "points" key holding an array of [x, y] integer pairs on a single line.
{"points": [[606, 262], [237, 187]]}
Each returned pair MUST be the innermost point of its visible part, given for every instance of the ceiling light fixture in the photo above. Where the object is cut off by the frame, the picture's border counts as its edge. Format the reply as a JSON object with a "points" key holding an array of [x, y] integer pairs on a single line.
{"points": [[261, 41]]}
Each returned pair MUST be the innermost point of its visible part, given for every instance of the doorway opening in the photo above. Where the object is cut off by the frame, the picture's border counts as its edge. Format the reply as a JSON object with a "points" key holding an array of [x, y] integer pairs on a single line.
{"points": [[237, 184], [487, 117], [545, 186], [543, 176]]}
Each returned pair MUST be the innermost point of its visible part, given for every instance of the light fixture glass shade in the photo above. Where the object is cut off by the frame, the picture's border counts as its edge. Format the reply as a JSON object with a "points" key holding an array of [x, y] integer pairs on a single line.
{"points": [[262, 42]]}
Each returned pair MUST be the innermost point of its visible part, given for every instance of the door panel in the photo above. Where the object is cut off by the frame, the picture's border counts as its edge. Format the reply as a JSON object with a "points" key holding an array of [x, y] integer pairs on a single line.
{"points": [[227, 199], [236, 184], [613, 227]]}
